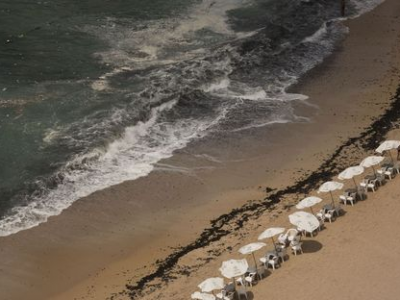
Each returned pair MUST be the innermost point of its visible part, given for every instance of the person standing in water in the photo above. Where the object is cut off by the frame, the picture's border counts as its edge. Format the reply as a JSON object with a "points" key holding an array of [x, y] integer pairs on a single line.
{"points": [[343, 7]]}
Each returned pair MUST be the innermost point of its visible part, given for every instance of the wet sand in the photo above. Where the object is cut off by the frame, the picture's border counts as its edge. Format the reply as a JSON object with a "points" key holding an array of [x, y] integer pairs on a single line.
{"points": [[115, 236]]}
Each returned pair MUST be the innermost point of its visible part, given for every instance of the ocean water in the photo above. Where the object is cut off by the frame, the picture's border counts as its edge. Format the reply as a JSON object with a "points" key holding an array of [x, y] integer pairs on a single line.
{"points": [[93, 93]]}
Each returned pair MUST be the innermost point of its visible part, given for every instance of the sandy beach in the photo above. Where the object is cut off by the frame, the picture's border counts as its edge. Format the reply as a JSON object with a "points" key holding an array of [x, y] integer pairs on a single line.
{"points": [[152, 238]]}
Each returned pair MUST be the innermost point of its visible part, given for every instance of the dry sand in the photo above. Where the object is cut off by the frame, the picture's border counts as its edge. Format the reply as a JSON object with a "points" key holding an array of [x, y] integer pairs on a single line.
{"points": [[114, 237]]}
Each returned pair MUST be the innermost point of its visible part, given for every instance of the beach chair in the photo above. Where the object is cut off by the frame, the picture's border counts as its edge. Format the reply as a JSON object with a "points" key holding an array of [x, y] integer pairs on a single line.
{"points": [[242, 292], [240, 281], [326, 214], [292, 234], [396, 167], [283, 239], [273, 261], [389, 173], [250, 278], [225, 295], [369, 184], [372, 184], [261, 272], [281, 253], [361, 192], [347, 198], [380, 178], [296, 247]]}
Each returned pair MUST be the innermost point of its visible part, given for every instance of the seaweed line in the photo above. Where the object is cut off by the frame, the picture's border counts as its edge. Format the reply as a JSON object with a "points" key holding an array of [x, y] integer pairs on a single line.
{"points": [[225, 224]]}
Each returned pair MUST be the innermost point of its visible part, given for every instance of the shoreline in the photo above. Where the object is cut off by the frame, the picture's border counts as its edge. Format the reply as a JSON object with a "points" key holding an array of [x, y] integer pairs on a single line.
{"points": [[99, 202]]}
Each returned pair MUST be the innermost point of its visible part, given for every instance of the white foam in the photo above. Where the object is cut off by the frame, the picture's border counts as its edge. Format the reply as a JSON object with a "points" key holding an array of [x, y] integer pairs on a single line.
{"points": [[218, 86], [318, 36], [139, 149], [364, 6], [149, 46], [256, 95], [132, 156]]}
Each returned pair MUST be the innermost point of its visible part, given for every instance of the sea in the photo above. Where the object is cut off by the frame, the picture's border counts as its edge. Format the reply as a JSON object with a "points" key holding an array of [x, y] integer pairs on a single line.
{"points": [[96, 92]]}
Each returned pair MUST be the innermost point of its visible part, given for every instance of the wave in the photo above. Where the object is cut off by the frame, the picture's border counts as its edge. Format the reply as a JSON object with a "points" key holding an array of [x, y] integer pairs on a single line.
{"points": [[184, 79]]}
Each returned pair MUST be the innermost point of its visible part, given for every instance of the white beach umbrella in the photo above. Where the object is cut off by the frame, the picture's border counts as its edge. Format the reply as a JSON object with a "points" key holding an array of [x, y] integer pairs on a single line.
{"points": [[270, 233], [371, 161], [211, 284], [387, 146], [234, 268], [251, 248], [308, 203], [202, 296], [304, 221], [330, 186], [350, 172]]}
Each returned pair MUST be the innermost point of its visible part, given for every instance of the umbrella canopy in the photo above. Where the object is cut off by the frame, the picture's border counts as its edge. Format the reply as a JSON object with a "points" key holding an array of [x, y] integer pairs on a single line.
{"points": [[330, 186], [304, 221], [350, 172], [250, 248], [202, 296], [210, 284], [271, 232], [387, 145], [371, 161], [308, 202], [234, 268]]}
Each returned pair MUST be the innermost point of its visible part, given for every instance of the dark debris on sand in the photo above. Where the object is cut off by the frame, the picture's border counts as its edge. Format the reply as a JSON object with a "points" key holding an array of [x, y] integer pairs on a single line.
{"points": [[349, 152]]}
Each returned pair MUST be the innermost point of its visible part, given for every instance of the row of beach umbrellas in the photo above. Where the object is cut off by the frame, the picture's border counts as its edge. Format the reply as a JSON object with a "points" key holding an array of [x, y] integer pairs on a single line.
{"points": [[308, 222]]}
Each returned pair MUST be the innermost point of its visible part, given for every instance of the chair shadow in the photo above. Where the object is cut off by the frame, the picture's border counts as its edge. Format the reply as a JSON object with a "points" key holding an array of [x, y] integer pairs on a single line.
{"points": [[266, 274], [250, 295], [311, 246]]}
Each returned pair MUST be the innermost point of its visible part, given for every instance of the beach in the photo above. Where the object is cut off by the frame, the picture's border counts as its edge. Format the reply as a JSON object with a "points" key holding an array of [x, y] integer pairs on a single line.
{"points": [[156, 230]]}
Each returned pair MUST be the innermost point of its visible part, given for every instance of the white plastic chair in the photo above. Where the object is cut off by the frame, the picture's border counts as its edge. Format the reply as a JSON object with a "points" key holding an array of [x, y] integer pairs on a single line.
{"points": [[291, 234], [261, 273], [273, 261], [347, 198], [270, 260], [242, 292], [224, 295], [396, 167], [249, 279], [389, 173], [326, 214], [281, 252], [372, 184], [297, 247]]}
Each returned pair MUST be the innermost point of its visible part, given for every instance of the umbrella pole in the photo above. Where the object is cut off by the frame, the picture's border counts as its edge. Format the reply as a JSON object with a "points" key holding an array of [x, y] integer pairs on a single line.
{"points": [[374, 170], [355, 183], [272, 238], [333, 202], [255, 262], [391, 157], [312, 210]]}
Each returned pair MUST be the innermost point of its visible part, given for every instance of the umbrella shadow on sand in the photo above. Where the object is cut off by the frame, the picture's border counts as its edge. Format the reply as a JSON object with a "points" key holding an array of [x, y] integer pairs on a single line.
{"points": [[311, 246]]}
